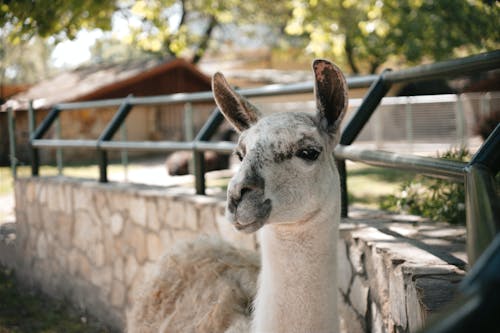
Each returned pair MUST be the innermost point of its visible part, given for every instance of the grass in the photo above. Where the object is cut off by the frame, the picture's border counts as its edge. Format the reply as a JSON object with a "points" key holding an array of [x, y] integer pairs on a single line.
{"points": [[24, 312], [367, 185], [80, 171]]}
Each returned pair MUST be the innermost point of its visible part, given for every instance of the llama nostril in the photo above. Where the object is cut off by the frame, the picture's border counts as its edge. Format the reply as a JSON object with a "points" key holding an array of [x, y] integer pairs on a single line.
{"points": [[236, 197], [243, 191]]}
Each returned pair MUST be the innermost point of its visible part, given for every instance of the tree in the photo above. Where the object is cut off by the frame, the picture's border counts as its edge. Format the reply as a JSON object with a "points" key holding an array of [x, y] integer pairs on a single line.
{"points": [[186, 27], [61, 19], [367, 33], [161, 27]]}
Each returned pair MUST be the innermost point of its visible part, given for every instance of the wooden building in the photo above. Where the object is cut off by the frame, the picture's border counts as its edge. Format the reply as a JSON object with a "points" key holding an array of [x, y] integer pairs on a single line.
{"points": [[97, 82]]}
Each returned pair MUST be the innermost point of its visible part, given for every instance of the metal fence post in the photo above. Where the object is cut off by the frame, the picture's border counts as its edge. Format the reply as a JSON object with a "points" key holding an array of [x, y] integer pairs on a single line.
{"points": [[205, 133], [37, 134], [409, 122], [31, 118], [59, 157], [344, 200], [107, 134], [189, 131], [460, 121], [124, 153], [371, 101], [12, 142]]}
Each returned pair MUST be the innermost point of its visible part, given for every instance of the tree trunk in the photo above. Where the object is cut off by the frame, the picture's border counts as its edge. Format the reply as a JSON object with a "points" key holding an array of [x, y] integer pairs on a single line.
{"points": [[205, 39], [349, 51]]}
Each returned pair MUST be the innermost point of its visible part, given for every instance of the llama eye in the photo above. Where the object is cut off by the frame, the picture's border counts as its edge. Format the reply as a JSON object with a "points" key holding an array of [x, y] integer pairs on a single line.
{"points": [[239, 155], [308, 154]]}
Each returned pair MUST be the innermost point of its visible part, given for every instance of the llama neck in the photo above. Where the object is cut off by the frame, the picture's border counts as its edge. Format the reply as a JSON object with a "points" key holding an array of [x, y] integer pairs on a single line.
{"points": [[298, 281]]}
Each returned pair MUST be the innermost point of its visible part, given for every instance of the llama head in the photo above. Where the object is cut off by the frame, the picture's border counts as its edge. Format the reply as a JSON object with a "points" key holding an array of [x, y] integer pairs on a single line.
{"points": [[287, 172]]}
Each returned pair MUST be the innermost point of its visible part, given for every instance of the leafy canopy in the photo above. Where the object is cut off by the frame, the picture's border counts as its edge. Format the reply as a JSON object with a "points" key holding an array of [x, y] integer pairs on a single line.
{"points": [[366, 33]]}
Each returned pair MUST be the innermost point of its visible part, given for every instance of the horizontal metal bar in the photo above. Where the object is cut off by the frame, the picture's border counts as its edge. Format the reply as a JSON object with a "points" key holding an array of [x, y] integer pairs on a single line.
{"points": [[146, 145], [91, 104], [224, 147], [484, 61], [207, 96], [63, 143], [435, 167], [455, 67], [219, 147]]}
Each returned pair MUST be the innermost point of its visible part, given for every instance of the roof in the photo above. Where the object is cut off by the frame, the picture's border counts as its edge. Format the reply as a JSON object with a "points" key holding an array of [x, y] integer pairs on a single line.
{"points": [[94, 81]]}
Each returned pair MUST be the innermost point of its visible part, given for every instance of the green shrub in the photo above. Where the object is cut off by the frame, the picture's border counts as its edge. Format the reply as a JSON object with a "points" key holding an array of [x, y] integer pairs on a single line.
{"points": [[437, 199]]}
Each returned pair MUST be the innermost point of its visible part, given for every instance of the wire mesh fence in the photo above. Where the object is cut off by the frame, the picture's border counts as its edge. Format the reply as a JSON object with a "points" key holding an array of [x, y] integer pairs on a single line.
{"points": [[419, 124]]}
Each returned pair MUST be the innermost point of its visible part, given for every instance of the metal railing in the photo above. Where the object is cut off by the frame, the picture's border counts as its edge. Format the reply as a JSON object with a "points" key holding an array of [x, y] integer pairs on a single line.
{"points": [[483, 220], [482, 199]]}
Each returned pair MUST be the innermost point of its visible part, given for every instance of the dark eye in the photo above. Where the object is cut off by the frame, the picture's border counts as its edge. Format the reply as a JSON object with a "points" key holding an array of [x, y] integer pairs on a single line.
{"points": [[308, 154], [239, 155]]}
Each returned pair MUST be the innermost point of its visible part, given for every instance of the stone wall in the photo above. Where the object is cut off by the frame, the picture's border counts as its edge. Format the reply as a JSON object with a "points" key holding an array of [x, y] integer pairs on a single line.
{"points": [[93, 243], [395, 272]]}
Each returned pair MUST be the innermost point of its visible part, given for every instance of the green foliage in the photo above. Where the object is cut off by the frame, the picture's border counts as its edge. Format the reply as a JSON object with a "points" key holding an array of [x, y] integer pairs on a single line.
{"points": [[24, 19], [367, 33], [437, 199], [185, 27]]}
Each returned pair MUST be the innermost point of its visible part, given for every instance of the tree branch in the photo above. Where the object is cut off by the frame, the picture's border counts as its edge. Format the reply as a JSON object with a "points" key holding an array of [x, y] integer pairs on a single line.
{"points": [[203, 45], [349, 51]]}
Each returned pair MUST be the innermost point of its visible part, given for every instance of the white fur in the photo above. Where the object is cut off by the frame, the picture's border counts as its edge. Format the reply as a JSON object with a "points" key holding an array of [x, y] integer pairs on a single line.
{"points": [[294, 202]]}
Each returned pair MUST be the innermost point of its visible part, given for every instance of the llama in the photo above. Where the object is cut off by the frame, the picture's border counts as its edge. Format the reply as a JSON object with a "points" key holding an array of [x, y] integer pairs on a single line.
{"points": [[287, 188]]}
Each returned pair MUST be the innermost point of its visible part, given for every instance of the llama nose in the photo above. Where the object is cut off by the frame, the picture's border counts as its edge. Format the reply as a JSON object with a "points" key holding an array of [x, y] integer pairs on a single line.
{"points": [[236, 196]]}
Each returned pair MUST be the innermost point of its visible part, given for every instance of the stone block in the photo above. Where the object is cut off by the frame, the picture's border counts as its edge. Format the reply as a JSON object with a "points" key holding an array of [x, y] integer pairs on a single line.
{"points": [[84, 267], [429, 294], [42, 193], [377, 272], [155, 246], [82, 198], [356, 256], [42, 250], [131, 268], [162, 211], [116, 224], [73, 263], [153, 217], [359, 295], [191, 218], [350, 321], [62, 229], [102, 209], [377, 322], [118, 294], [29, 191], [207, 223], [397, 297], [119, 269], [176, 214], [102, 279], [137, 210], [86, 233], [344, 267], [97, 255], [135, 239]]}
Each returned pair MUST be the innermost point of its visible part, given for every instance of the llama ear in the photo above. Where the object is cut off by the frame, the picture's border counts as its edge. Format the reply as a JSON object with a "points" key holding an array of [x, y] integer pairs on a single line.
{"points": [[236, 108], [330, 89]]}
